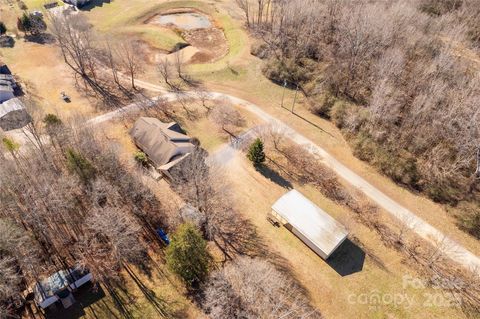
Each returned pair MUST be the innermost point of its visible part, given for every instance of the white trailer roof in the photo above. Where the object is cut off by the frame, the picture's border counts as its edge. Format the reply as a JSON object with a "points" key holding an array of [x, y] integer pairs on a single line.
{"points": [[311, 221]]}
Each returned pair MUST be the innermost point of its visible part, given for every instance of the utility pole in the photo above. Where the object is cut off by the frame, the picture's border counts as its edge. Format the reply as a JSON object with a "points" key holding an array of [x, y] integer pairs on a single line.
{"points": [[284, 87], [295, 98], [477, 172]]}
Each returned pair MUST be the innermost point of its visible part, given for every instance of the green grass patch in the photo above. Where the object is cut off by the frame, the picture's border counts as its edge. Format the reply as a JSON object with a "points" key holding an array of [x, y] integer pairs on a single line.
{"points": [[159, 38], [37, 4]]}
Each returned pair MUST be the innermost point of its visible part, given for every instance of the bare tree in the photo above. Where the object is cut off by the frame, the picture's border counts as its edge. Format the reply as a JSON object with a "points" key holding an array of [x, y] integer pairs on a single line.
{"points": [[130, 59], [75, 40], [164, 68], [226, 117], [274, 134], [253, 288]]}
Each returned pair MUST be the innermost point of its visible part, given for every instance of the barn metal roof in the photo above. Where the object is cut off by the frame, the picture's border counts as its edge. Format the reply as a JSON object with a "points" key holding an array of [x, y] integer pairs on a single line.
{"points": [[311, 221]]}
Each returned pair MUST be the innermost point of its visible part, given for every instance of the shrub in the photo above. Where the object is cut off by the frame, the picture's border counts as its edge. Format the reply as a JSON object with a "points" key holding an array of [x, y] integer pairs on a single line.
{"points": [[51, 120], [442, 193], [141, 158], [439, 7], [285, 70], [470, 220], [260, 50], [338, 112], [187, 255], [256, 153], [401, 167], [323, 105], [10, 145]]}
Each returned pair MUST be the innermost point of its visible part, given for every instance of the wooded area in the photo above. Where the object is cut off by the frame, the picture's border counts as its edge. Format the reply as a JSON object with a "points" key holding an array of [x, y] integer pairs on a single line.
{"points": [[400, 79], [67, 199]]}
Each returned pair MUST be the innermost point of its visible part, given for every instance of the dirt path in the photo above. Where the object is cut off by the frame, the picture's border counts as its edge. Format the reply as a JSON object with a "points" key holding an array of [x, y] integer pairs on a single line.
{"points": [[449, 247]]}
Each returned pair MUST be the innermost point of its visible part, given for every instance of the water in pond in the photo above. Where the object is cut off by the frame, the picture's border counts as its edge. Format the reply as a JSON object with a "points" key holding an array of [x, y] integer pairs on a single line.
{"points": [[187, 21]]}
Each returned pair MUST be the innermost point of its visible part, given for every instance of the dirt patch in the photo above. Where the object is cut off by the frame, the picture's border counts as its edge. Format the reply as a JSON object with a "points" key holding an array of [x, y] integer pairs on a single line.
{"points": [[211, 43], [147, 52], [186, 54], [207, 42]]}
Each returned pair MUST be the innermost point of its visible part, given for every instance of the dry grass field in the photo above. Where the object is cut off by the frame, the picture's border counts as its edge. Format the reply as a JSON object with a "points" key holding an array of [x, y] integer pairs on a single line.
{"points": [[335, 295]]}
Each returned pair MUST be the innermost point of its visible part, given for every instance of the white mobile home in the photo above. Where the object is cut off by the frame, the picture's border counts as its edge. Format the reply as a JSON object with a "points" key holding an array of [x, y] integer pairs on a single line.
{"points": [[317, 229]]}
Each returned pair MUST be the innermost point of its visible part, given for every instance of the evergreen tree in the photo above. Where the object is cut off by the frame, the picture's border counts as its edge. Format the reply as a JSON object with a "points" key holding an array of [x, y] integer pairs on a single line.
{"points": [[255, 152], [187, 255], [24, 23], [77, 163]]}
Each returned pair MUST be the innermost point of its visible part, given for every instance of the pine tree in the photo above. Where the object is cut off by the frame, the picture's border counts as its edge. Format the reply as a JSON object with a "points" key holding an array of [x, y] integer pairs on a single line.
{"points": [[24, 23], [187, 255], [77, 163], [255, 152]]}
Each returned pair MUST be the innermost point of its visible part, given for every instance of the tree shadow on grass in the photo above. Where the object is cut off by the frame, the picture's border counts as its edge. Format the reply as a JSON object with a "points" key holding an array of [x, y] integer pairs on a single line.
{"points": [[93, 4], [159, 305], [120, 303], [85, 297], [314, 125], [274, 176], [41, 38]]}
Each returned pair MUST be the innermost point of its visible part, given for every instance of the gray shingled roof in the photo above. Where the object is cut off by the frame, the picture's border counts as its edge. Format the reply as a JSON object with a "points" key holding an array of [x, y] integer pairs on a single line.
{"points": [[160, 141]]}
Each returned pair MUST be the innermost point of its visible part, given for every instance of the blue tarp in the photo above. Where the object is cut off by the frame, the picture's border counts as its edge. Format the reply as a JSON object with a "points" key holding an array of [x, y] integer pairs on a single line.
{"points": [[163, 236]]}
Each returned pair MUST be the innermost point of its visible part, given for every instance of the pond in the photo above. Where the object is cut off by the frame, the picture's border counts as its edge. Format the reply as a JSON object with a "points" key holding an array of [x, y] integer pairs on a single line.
{"points": [[186, 21]]}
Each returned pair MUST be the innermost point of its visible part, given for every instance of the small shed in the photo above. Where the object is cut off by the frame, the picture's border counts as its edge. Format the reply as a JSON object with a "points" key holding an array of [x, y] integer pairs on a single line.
{"points": [[317, 229], [13, 115], [59, 287]]}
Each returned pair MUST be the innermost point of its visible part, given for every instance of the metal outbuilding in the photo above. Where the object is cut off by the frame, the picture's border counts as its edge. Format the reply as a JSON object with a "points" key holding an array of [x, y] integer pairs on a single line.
{"points": [[13, 115], [317, 229]]}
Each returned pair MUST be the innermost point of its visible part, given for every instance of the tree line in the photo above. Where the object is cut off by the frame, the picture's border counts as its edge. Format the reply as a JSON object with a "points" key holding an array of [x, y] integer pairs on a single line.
{"points": [[398, 78], [67, 200]]}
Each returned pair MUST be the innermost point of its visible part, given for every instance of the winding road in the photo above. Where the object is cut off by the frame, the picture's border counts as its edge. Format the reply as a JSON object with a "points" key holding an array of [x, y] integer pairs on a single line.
{"points": [[448, 246]]}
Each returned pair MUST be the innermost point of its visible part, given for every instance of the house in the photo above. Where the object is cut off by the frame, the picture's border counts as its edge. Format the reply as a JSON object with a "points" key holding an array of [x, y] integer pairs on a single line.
{"points": [[7, 84], [164, 143], [13, 115], [317, 229], [59, 287]]}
